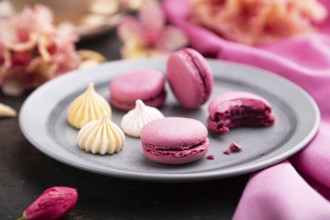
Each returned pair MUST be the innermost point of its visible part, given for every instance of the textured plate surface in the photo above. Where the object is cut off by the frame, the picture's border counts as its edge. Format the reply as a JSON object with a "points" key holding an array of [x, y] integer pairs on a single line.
{"points": [[43, 122]]}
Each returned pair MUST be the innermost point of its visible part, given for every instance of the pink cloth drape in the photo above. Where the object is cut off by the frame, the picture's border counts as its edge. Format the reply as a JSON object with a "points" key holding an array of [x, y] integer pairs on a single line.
{"points": [[300, 187]]}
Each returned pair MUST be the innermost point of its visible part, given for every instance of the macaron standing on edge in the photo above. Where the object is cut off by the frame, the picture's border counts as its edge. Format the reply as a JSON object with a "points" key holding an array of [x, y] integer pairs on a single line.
{"points": [[145, 84], [174, 140], [190, 77]]}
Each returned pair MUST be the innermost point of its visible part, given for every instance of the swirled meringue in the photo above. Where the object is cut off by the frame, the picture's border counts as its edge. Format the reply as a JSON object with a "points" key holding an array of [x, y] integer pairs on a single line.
{"points": [[135, 119], [101, 136], [87, 107]]}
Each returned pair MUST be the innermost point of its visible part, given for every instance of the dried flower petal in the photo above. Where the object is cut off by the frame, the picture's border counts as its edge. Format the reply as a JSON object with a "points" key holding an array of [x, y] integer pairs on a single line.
{"points": [[135, 5], [152, 17], [90, 58], [130, 29], [172, 39], [148, 36], [133, 50], [258, 21], [13, 88], [7, 111]]}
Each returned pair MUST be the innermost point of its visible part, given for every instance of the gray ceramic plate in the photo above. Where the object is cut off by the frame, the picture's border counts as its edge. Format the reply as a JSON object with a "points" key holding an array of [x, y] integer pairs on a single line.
{"points": [[43, 122]]}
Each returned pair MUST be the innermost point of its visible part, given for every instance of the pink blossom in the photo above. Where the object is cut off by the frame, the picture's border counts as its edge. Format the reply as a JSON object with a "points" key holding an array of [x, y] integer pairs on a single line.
{"points": [[148, 35], [33, 50], [258, 21], [53, 203]]}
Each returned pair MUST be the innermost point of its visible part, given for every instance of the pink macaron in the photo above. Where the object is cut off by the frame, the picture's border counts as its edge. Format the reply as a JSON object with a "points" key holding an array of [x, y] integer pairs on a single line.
{"points": [[190, 78], [234, 109], [174, 140], [144, 84]]}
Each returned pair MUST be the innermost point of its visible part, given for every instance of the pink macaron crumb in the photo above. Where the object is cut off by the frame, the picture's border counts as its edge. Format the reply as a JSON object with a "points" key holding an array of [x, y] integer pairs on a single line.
{"points": [[234, 147], [227, 152], [210, 157]]}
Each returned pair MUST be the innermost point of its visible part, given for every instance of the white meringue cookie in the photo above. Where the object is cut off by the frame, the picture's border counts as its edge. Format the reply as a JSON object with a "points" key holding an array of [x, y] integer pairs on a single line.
{"points": [[101, 136], [135, 119], [87, 107]]}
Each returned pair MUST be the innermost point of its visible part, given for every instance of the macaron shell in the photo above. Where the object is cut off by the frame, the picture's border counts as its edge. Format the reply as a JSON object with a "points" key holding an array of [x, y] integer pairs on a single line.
{"points": [[190, 78], [144, 84], [173, 132], [222, 102]]}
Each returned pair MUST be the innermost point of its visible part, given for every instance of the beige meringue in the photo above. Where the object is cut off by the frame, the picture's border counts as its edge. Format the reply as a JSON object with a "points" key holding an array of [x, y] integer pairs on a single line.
{"points": [[87, 107], [135, 119], [101, 136], [7, 111]]}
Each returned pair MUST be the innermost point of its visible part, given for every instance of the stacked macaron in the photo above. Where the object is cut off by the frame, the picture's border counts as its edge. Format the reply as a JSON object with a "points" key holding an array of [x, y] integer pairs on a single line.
{"points": [[166, 140]]}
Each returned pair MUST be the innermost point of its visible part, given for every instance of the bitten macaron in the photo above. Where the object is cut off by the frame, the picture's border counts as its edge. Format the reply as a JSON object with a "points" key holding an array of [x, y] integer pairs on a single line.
{"points": [[238, 108], [174, 140], [190, 77], [145, 84]]}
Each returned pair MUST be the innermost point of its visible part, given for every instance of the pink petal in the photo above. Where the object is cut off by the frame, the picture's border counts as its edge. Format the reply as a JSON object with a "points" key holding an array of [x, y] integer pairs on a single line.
{"points": [[7, 33], [172, 39], [66, 31], [27, 45], [133, 50], [152, 17], [129, 29], [44, 15], [13, 88]]}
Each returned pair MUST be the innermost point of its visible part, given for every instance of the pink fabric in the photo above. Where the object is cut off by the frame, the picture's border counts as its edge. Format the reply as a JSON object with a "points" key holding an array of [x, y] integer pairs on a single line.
{"points": [[280, 192]]}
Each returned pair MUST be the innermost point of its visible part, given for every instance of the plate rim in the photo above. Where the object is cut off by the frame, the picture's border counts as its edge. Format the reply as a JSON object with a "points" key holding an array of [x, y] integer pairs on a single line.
{"points": [[205, 175]]}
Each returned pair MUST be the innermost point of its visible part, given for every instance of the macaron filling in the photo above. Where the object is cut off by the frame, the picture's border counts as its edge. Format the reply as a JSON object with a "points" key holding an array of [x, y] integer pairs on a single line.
{"points": [[174, 148], [237, 116], [153, 101], [197, 150]]}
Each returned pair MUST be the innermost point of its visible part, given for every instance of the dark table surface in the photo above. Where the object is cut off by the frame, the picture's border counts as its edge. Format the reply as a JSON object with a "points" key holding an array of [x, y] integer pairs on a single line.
{"points": [[25, 173]]}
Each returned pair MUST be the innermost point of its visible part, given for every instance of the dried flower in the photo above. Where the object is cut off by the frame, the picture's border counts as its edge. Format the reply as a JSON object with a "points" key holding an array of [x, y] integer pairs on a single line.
{"points": [[90, 58], [7, 111], [149, 36], [134, 5], [33, 50], [258, 21], [53, 203]]}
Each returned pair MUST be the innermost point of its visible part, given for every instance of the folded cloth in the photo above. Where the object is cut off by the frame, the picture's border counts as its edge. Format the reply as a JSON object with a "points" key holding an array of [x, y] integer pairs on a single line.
{"points": [[280, 192]]}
